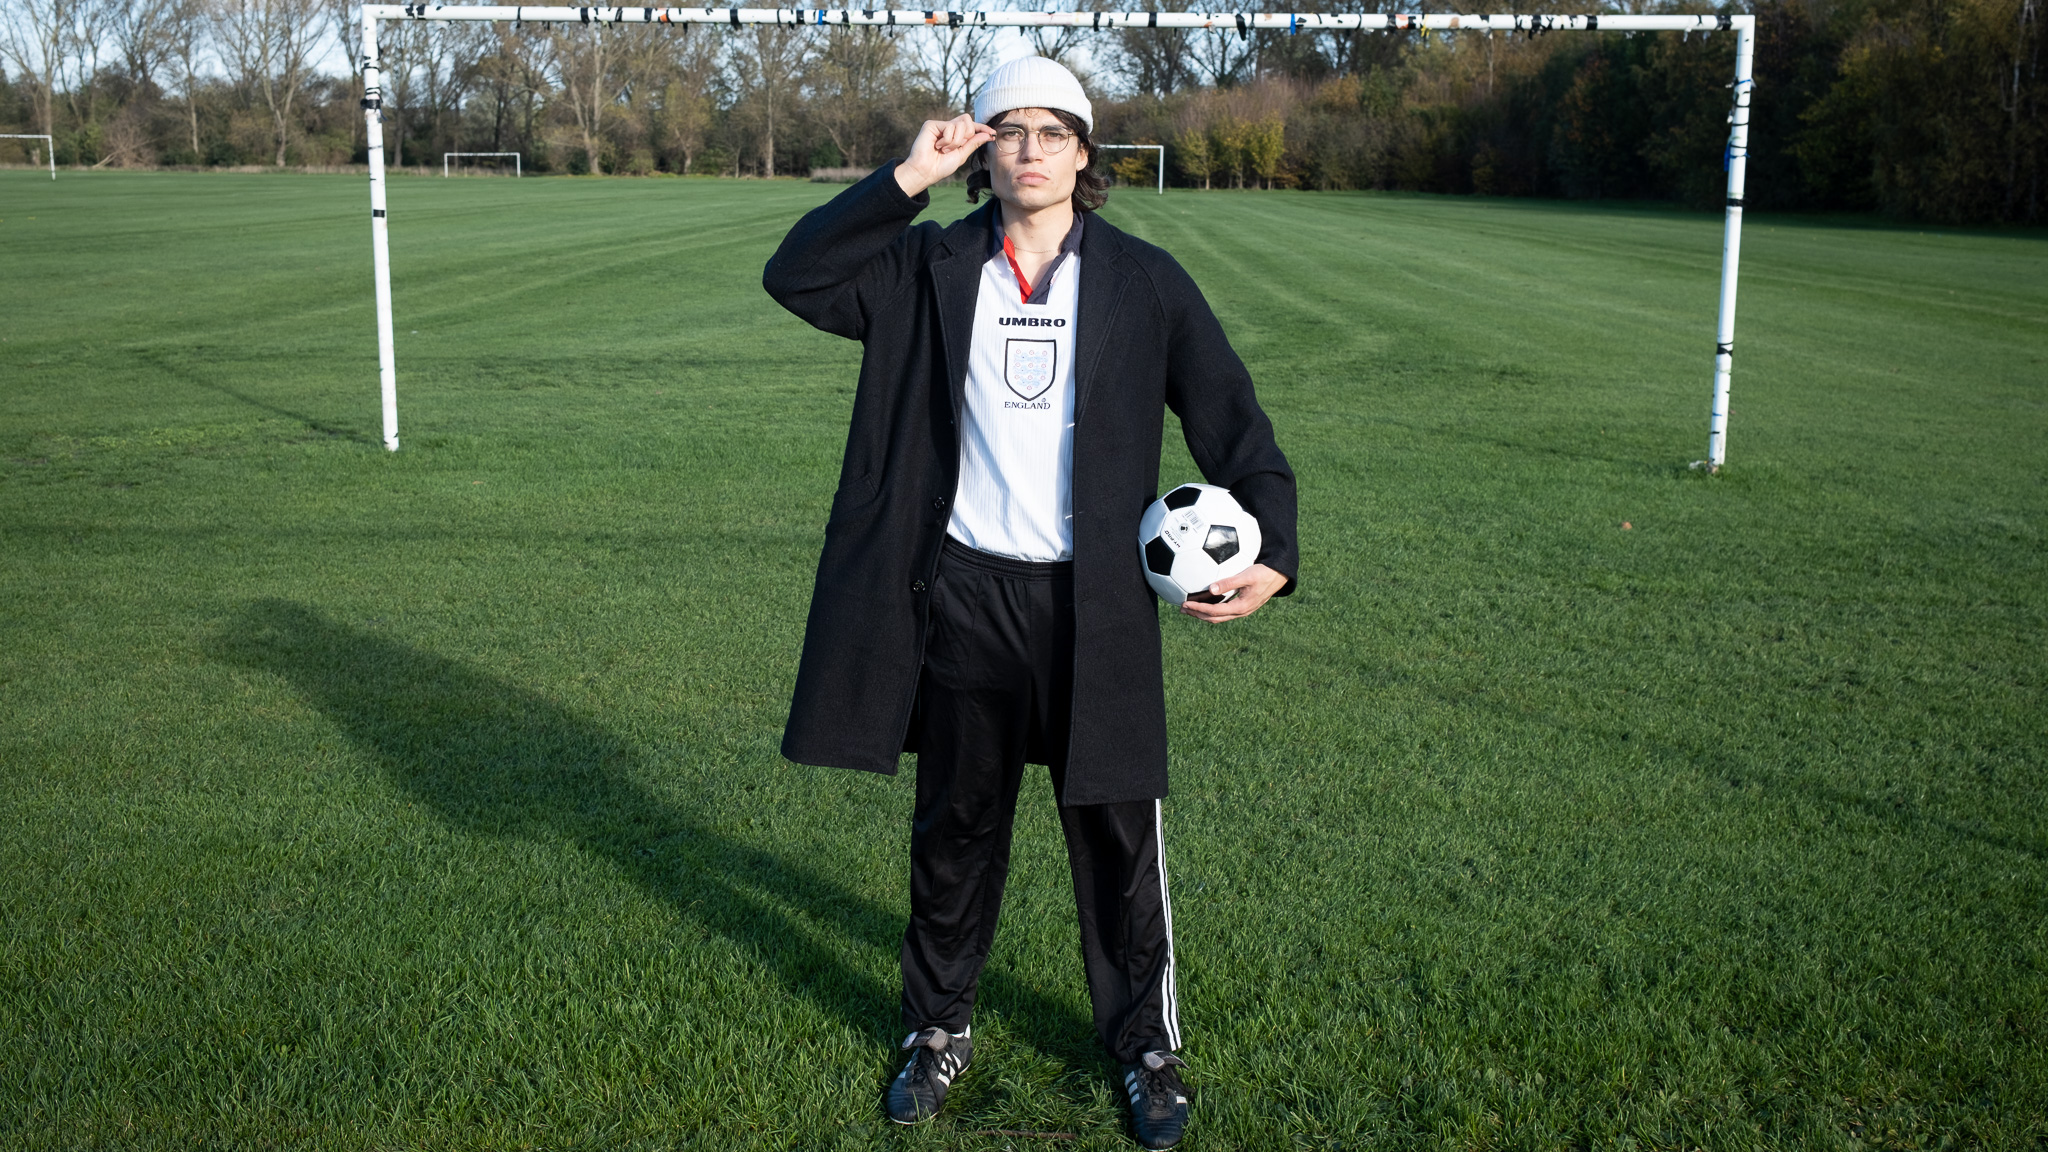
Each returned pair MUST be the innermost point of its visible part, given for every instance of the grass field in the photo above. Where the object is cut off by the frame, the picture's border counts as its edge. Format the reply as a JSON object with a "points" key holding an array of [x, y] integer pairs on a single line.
{"points": [[431, 800]]}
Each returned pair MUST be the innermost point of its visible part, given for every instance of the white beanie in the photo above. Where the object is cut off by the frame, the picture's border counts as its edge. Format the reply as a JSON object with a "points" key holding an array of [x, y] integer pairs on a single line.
{"points": [[1032, 82]]}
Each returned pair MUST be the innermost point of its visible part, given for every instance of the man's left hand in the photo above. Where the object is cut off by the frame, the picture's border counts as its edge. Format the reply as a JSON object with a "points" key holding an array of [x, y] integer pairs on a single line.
{"points": [[1255, 585]]}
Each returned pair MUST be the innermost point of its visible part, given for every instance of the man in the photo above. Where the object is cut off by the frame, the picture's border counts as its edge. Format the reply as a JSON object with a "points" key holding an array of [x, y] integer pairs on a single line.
{"points": [[980, 600]]}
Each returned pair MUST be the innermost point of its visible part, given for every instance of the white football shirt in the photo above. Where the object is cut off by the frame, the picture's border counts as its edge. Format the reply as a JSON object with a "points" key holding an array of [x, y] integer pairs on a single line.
{"points": [[1016, 494]]}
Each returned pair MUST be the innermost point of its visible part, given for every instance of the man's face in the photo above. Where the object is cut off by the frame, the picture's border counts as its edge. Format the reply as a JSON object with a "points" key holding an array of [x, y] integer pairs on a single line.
{"points": [[1033, 177]]}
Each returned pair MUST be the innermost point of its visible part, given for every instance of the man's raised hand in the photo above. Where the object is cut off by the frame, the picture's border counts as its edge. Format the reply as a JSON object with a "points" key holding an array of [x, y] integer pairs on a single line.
{"points": [[939, 150]]}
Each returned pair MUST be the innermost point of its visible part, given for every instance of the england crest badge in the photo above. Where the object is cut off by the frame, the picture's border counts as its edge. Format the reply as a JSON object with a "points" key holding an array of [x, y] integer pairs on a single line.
{"points": [[1029, 366]]}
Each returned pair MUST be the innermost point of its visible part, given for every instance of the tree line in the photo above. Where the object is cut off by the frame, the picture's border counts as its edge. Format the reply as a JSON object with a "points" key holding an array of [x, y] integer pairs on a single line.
{"points": [[1928, 109]]}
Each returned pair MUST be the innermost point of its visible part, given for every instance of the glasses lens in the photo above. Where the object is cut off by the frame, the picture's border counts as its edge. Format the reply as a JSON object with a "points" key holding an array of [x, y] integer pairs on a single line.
{"points": [[1010, 138]]}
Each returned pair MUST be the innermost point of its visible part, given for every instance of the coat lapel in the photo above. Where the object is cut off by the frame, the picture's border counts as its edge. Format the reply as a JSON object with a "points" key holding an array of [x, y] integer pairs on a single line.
{"points": [[956, 277], [1103, 279]]}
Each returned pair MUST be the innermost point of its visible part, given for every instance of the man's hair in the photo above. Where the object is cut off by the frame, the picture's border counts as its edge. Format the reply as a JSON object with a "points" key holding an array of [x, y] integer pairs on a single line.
{"points": [[1091, 187]]}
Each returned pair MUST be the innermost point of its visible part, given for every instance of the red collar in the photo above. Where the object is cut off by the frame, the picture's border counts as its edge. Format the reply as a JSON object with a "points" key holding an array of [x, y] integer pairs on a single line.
{"points": [[1023, 285], [1069, 245]]}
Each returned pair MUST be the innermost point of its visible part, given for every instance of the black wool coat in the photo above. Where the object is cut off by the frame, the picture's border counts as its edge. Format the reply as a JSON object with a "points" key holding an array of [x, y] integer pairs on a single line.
{"points": [[1145, 340]]}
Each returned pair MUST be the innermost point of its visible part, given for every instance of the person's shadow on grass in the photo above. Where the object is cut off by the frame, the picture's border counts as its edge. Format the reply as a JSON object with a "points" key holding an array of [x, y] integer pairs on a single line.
{"points": [[495, 759]]}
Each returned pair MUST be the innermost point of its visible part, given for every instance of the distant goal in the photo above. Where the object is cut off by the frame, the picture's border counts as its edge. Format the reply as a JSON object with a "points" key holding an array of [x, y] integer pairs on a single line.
{"points": [[517, 162], [1159, 148], [49, 147]]}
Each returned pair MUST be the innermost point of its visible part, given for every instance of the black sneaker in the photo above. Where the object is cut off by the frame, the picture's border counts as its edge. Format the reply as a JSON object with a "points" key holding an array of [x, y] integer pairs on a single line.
{"points": [[1159, 1101], [919, 1089]]}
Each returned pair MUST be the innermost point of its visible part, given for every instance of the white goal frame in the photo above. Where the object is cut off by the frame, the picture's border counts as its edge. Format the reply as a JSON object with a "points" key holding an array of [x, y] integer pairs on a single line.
{"points": [[1737, 154], [49, 150], [1159, 148], [517, 162]]}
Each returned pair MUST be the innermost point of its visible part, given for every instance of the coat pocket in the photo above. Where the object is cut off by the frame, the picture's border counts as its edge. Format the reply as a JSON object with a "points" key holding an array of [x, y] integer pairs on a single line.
{"points": [[854, 495]]}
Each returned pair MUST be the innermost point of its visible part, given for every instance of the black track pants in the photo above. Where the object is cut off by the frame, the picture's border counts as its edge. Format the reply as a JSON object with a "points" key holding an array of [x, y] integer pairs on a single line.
{"points": [[998, 692]]}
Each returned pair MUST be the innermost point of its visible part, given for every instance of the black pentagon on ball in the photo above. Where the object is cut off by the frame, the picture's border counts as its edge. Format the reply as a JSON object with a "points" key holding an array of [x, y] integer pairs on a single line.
{"points": [[1221, 544], [1159, 556], [1182, 496]]}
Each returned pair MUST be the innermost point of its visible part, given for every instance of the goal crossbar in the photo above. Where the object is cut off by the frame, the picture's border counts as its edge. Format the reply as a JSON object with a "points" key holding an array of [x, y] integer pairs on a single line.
{"points": [[1736, 156], [517, 163], [49, 146], [1248, 21]]}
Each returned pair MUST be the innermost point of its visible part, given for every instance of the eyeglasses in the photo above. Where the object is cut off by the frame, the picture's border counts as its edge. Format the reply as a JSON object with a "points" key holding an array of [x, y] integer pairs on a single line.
{"points": [[1010, 138]]}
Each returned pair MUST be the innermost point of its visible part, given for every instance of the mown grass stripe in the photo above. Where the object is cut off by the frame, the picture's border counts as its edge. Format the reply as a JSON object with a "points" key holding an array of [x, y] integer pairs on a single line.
{"points": [[359, 800]]}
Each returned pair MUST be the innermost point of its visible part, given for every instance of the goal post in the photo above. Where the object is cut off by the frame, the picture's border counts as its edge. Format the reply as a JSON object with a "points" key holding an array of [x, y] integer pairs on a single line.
{"points": [[1737, 154], [517, 162], [49, 146], [1159, 148]]}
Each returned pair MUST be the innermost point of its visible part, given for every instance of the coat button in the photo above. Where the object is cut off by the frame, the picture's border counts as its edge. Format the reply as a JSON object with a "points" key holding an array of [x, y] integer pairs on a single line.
{"points": [[917, 585], [939, 503]]}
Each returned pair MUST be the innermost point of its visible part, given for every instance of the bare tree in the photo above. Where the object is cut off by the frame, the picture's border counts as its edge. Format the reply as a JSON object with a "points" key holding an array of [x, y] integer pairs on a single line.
{"points": [[348, 33], [141, 32], [687, 74], [1221, 56], [398, 51], [297, 33], [853, 92], [269, 46], [1156, 62], [55, 46], [685, 118], [426, 68], [448, 65], [184, 39], [768, 61], [583, 63], [514, 77], [36, 41], [952, 62], [88, 32]]}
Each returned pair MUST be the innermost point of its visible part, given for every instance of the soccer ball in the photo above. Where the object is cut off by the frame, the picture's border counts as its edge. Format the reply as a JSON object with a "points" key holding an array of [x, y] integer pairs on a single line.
{"points": [[1194, 536]]}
